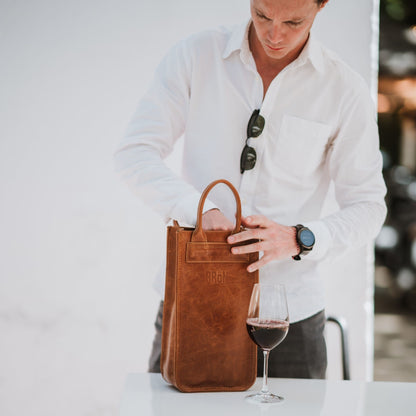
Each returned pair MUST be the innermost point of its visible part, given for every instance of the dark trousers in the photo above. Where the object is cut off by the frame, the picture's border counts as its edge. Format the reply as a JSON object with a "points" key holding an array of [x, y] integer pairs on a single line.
{"points": [[302, 354]]}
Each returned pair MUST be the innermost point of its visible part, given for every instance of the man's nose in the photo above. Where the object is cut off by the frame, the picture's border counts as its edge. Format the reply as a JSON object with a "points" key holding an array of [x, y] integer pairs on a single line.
{"points": [[276, 33]]}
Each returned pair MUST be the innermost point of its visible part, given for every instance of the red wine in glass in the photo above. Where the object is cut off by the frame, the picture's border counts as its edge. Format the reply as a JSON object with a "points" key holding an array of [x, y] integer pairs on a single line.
{"points": [[267, 334], [267, 325]]}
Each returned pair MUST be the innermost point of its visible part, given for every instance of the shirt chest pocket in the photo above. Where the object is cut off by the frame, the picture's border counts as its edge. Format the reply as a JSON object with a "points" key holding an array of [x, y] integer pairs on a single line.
{"points": [[301, 146]]}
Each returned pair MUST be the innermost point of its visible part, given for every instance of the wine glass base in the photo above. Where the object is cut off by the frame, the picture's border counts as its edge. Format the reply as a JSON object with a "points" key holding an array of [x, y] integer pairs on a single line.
{"points": [[264, 398]]}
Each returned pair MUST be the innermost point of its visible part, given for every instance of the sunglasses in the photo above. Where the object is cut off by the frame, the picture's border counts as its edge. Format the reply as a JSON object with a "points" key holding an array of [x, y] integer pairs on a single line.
{"points": [[254, 129]]}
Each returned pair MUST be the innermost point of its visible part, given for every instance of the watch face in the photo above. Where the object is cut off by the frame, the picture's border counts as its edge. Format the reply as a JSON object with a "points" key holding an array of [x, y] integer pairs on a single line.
{"points": [[307, 238]]}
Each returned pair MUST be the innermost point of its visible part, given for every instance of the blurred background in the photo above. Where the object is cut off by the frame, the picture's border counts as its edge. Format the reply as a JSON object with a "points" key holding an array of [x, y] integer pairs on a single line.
{"points": [[395, 274]]}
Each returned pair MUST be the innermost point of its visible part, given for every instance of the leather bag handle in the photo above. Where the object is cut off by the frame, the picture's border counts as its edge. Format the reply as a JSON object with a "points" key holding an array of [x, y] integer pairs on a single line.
{"points": [[199, 234]]}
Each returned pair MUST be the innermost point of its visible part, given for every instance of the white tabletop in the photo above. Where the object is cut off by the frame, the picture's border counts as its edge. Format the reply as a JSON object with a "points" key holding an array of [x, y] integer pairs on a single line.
{"points": [[149, 394]]}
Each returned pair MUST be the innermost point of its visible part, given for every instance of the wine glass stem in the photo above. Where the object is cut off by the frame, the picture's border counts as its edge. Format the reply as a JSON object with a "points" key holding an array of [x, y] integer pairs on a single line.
{"points": [[265, 388]]}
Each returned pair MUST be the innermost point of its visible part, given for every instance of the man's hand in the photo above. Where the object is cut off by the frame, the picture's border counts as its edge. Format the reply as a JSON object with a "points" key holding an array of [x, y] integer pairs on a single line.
{"points": [[277, 241], [214, 219]]}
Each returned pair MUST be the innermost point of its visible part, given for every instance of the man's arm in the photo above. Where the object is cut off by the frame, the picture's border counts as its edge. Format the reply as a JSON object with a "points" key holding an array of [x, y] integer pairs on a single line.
{"points": [[158, 122], [354, 163]]}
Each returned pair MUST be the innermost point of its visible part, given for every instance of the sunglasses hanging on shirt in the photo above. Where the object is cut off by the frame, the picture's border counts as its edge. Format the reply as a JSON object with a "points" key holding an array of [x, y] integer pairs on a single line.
{"points": [[254, 129]]}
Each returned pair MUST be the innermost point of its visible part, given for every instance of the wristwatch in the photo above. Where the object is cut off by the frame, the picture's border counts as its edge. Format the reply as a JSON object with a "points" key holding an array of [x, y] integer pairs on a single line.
{"points": [[305, 240]]}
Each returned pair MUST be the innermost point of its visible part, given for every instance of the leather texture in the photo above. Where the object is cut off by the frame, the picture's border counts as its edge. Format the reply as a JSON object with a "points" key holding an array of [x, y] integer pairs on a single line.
{"points": [[205, 345]]}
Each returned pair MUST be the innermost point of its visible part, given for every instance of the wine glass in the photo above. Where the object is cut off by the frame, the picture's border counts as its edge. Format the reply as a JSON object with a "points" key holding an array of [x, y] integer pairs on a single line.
{"points": [[267, 324]]}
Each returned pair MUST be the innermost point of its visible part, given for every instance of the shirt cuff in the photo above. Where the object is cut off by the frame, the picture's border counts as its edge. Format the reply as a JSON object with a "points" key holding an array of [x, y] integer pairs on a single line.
{"points": [[186, 211], [323, 240]]}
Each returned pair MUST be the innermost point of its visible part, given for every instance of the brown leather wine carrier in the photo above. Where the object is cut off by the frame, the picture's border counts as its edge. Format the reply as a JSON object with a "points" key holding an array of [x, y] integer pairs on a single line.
{"points": [[205, 345]]}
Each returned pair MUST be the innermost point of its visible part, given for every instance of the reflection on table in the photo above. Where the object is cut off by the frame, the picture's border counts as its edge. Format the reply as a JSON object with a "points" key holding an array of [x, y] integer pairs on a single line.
{"points": [[149, 394]]}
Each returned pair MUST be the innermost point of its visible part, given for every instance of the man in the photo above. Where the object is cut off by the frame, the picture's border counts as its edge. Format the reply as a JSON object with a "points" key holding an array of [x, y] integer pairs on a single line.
{"points": [[310, 122]]}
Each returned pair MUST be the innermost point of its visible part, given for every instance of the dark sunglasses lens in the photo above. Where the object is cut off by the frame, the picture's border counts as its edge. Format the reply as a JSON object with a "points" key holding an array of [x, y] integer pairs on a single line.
{"points": [[255, 125], [248, 159]]}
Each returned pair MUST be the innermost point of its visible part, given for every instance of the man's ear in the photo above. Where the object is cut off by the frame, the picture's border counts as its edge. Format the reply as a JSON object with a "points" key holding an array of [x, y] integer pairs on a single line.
{"points": [[323, 4]]}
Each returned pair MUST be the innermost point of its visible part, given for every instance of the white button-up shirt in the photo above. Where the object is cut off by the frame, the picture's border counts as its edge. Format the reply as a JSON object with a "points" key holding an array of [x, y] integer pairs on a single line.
{"points": [[320, 127]]}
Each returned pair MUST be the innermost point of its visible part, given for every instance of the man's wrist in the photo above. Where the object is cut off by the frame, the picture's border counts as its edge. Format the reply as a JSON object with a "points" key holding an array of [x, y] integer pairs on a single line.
{"points": [[295, 242]]}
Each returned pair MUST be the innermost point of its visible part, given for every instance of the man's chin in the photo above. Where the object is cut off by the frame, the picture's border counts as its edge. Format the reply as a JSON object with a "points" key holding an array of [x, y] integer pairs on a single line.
{"points": [[276, 53]]}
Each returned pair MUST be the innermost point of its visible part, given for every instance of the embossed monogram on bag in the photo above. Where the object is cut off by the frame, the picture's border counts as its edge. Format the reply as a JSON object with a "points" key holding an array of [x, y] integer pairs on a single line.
{"points": [[216, 277]]}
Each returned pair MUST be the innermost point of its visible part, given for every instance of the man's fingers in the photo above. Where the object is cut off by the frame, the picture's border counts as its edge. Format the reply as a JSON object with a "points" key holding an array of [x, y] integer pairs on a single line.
{"points": [[256, 225], [255, 221], [276, 241], [214, 219], [222, 227], [258, 264], [250, 248], [237, 238], [254, 234]]}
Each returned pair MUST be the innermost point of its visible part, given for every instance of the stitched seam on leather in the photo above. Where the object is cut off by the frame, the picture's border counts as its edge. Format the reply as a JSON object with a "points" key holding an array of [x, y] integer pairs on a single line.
{"points": [[204, 253]]}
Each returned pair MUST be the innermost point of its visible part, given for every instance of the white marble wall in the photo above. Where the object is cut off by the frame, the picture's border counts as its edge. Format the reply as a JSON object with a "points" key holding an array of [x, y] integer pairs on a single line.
{"points": [[78, 252]]}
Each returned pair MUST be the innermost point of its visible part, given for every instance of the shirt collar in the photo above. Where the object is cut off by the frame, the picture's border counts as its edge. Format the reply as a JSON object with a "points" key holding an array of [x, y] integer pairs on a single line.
{"points": [[239, 41], [312, 52]]}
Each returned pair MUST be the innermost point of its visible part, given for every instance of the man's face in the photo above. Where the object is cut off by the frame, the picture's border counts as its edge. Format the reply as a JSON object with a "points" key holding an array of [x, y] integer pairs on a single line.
{"points": [[282, 26]]}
